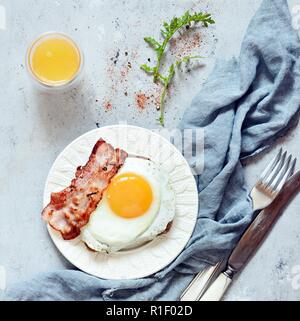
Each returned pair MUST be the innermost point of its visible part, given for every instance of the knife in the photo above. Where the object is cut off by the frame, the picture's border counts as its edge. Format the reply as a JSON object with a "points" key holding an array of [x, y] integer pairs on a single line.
{"points": [[202, 281], [251, 239]]}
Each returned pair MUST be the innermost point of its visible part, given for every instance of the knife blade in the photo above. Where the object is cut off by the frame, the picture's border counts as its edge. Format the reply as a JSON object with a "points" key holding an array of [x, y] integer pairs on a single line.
{"points": [[252, 238]]}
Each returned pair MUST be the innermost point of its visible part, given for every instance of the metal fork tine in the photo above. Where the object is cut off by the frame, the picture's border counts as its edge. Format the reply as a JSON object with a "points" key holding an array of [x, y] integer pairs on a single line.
{"points": [[270, 166], [275, 171], [288, 174], [292, 170], [281, 174]]}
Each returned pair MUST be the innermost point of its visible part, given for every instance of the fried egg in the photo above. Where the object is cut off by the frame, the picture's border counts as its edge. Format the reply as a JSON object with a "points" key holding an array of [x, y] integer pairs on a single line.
{"points": [[137, 206]]}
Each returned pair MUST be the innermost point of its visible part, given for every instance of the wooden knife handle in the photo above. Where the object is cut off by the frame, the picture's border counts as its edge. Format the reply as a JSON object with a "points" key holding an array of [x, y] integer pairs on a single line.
{"points": [[256, 232]]}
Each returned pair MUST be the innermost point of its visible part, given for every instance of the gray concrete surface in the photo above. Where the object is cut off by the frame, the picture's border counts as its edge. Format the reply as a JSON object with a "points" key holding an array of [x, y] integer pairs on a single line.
{"points": [[35, 127]]}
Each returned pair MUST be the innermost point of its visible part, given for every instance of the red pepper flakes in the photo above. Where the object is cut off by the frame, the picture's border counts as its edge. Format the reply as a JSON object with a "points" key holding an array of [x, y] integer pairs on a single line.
{"points": [[107, 105], [141, 100]]}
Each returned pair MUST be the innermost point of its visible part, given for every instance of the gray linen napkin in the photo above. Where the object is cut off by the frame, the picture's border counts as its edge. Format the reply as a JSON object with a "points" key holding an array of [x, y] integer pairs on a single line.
{"points": [[244, 106]]}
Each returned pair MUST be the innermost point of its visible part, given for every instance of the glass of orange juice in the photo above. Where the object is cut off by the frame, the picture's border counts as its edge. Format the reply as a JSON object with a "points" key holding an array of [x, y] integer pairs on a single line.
{"points": [[54, 61]]}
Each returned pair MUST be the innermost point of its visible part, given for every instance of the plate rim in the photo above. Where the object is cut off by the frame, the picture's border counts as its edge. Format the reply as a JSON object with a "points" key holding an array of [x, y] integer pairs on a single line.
{"points": [[54, 234]]}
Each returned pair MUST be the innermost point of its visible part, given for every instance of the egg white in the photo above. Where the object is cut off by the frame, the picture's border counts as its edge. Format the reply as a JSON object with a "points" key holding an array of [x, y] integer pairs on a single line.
{"points": [[109, 232], [165, 214]]}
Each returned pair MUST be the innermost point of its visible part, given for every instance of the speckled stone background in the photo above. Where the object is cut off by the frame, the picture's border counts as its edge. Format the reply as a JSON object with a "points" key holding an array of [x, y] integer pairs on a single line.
{"points": [[35, 127]]}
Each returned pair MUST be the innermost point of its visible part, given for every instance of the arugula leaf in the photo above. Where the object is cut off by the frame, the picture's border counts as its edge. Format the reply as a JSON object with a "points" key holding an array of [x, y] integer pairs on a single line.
{"points": [[166, 82], [186, 59], [151, 41], [149, 70], [167, 31]]}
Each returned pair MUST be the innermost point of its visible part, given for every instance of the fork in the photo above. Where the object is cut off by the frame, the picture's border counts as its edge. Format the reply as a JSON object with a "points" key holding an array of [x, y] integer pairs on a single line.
{"points": [[272, 180], [262, 194]]}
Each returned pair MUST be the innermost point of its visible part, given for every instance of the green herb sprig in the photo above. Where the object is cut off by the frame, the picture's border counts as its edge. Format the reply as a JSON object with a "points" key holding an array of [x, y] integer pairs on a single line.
{"points": [[168, 30]]}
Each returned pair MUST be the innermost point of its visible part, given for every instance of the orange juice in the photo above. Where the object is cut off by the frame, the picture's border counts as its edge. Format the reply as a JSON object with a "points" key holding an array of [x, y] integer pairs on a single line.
{"points": [[54, 59]]}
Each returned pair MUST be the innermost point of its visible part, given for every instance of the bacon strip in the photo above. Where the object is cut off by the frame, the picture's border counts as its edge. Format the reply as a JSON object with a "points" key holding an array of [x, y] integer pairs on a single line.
{"points": [[70, 209]]}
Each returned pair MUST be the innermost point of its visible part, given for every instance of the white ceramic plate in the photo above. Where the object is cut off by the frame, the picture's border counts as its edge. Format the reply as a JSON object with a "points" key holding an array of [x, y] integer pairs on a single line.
{"points": [[156, 254]]}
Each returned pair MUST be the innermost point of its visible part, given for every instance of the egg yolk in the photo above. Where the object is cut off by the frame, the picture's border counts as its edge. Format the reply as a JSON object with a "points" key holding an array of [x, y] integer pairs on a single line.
{"points": [[129, 195]]}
